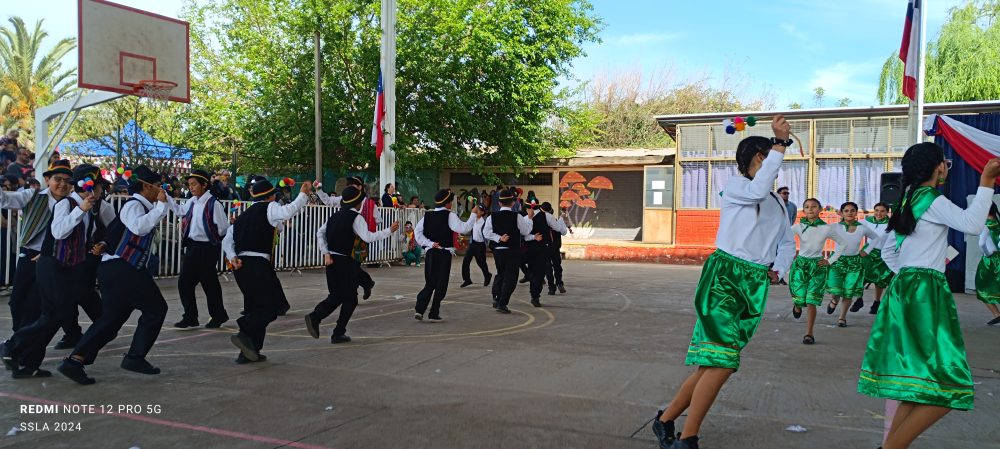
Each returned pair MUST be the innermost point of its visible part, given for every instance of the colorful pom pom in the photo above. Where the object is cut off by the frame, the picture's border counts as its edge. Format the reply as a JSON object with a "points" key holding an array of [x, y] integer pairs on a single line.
{"points": [[120, 170], [127, 174], [738, 120], [741, 126], [730, 129], [751, 120], [289, 182], [727, 122], [281, 183]]}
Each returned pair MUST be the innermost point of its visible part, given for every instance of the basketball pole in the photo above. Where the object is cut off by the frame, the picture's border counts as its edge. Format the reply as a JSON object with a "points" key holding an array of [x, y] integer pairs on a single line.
{"points": [[387, 163]]}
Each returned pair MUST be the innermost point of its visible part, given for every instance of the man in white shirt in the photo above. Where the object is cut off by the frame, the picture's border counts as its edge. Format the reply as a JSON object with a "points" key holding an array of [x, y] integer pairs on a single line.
{"points": [[539, 255], [434, 234], [336, 240], [507, 231], [476, 249]]}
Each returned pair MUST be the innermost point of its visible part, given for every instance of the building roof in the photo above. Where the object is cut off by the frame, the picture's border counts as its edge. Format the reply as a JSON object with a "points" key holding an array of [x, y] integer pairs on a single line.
{"points": [[669, 122], [586, 157]]}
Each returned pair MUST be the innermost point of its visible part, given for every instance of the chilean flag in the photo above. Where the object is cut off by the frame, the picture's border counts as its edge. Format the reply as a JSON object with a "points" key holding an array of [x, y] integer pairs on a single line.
{"points": [[975, 146], [909, 49], [378, 137]]}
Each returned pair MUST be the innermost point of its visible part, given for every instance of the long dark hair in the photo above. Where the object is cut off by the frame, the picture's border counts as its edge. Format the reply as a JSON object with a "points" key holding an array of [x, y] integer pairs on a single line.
{"points": [[747, 149], [994, 211], [919, 163]]}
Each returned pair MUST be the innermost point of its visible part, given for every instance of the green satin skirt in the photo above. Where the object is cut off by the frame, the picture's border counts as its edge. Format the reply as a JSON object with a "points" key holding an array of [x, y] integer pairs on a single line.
{"points": [[807, 281], [846, 278], [988, 279], [915, 351], [876, 271], [728, 302]]}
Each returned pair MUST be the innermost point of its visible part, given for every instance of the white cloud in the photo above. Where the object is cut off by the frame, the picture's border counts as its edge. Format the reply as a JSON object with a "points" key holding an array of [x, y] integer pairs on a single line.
{"points": [[793, 31], [855, 80], [642, 38]]}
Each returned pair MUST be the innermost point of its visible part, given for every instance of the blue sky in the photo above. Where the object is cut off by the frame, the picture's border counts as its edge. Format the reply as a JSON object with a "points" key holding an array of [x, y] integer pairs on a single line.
{"points": [[786, 47]]}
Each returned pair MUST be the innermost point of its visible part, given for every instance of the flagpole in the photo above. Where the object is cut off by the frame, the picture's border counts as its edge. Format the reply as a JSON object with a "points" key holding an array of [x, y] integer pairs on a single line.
{"points": [[387, 163], [917, 107]]}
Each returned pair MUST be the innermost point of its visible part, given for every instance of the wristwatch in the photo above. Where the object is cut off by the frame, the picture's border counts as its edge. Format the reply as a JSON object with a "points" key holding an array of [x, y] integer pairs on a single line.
{"points": [[785, 143]]}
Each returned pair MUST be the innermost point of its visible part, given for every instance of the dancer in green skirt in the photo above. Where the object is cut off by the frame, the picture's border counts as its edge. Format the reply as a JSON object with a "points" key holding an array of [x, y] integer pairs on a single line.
{"points": [[877, 272], [807, 278], [915, 353], [988, 272], [847, 274], [753, 233]]}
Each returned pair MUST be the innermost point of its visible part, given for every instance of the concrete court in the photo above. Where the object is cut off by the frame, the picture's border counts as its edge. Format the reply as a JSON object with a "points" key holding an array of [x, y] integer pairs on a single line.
{"points": [[586, 371]]}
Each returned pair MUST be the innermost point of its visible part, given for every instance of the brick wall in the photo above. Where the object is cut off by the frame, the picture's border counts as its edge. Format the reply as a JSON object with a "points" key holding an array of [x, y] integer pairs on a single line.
{"points": [[697, 227]]}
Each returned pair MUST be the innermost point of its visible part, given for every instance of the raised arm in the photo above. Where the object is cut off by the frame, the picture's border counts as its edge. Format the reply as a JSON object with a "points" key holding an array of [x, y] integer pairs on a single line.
{"points": [[140, 222], [277, 213], [332, 201], [456, 224], [15, 200], [970, 220]]}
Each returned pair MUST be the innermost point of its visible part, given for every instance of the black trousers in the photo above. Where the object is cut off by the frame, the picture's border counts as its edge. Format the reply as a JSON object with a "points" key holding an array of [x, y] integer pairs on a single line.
{"points": [[124, 289], [60, 289], [476, 250], [262, 297], [364, 279], [201, 260], [538, 263], [507, 263], [437, 271], [25, 300], [342, 282], [90, 298], [555, 261]]}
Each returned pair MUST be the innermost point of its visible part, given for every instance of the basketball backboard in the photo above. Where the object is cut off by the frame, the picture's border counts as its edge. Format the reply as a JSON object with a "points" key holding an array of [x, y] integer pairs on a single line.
{"points": [[120, 46]]}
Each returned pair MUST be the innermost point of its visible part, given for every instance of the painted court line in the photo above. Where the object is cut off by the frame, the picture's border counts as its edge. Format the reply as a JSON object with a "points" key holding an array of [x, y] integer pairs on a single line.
{"points": [[179, 425]]}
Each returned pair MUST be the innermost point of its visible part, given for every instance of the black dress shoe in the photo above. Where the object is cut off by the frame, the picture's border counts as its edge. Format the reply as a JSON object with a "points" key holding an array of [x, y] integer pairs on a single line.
{"points": [[368, 291], [552, 291], [523, 280], [489, 277], [664, 431], [466, 284], [246, 346], [241, 360], [186, 323], [312, 326], [139, 365], [874, 308], [73, 369], [535, 302], [28, 373], [994, 321], [435, 319], [68, 342], [342, 338], [503, 309], [858, 304], [562, 288], [215, 324]]}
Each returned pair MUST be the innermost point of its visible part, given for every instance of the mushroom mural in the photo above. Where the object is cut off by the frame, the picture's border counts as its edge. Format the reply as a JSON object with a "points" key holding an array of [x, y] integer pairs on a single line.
{"points": [[578, 196]]}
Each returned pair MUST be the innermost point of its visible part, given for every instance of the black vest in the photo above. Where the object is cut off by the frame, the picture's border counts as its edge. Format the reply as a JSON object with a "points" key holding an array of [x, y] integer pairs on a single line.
{"points": [[539, 225], [340, 234], [252, 230], [505, 222], [437, 229]]}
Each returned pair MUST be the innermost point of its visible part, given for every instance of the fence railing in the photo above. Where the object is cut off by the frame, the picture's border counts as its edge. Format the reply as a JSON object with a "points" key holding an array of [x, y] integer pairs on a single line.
{"points": [[297, 246]]}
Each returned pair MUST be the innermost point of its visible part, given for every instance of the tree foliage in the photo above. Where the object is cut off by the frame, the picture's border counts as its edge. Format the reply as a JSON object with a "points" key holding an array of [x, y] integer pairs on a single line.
{"points": [[962, 64], [475, 85]]}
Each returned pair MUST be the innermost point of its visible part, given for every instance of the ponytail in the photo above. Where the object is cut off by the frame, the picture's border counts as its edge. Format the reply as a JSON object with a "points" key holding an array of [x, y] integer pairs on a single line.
{"points": [[919, 163]]}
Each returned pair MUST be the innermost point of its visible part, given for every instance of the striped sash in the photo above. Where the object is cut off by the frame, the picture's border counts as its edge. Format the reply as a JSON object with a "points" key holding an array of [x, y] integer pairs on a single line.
{"points": [[36, 216]]}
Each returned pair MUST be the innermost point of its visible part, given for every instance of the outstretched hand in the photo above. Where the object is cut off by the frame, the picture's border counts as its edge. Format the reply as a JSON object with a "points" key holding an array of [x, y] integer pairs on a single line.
{"points": [[782, 129]]}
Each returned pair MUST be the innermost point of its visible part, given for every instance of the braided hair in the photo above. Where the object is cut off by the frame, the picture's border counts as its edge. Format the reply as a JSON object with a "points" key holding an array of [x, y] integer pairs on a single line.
{"points": [[919, 163], [747, 149]]}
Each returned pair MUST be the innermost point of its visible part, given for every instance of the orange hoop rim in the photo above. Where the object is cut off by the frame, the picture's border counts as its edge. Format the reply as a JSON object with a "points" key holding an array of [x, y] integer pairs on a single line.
{"points": [[155, 89]]}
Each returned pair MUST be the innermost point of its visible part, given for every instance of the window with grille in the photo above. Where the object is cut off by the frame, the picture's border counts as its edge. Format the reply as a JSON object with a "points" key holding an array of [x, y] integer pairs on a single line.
{"points": [[722, 172], [694, 185], [833, 136], [866, 184], [899, 141], [694, 140], [832, 179], [871, 136], [724, 145], [795, 176]]}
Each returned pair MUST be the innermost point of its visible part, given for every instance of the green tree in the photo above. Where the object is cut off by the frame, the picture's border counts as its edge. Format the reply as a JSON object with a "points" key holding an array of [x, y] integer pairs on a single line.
{"points": [[843, 102], [962, 64], [476, 84], [819, 94], [28, 78], [795, 105]]}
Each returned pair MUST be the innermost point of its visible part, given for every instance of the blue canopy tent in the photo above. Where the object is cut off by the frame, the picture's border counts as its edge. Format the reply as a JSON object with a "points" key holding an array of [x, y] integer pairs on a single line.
{"points": [[149, 147]]}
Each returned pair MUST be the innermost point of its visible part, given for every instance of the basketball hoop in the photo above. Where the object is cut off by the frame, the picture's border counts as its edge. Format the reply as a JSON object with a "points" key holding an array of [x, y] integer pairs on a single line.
{"points": [[156, 90]]}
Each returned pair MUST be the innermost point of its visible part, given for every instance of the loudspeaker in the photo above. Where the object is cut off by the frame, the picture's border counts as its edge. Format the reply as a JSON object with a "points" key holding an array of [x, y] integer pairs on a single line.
{"points": [[892, 188]]}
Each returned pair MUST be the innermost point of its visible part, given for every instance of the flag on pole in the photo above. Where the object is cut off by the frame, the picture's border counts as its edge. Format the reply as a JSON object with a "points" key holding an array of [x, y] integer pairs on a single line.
{"points": [[909, 49], [378, 137]]}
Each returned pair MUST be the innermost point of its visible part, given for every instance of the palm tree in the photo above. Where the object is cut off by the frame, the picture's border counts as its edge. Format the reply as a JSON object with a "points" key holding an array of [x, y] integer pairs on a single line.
{"points": [[29, 79]]}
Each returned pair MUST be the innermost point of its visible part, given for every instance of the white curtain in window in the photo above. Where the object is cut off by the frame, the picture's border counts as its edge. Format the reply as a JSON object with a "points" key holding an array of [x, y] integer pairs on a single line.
{"points": [[694, 184], [722, 172], [831, 187], [866, 185], [793, 174]]}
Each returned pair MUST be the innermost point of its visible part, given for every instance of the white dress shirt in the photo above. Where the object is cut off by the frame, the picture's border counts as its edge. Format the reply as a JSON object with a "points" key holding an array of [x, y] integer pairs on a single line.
{"points": [[64, 219], [524, 225], [19, 200], [197, 228], [332, 201], [986, 243], [556, 224], [276, 215], [849, 243], [879, 229], [759, 236], [137, 220], [477, 230], [456, 224], [927, 246], [813, 239], [360, 227]]}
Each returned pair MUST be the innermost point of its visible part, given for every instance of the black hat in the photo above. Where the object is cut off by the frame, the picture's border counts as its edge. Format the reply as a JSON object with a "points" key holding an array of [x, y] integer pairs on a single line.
{"points": [[355, 181], [444, 196], [507, 195], [199, 174], [261, 187], [351, 196], [547, 207], [145, 174], [83, 171], [60, 166]]}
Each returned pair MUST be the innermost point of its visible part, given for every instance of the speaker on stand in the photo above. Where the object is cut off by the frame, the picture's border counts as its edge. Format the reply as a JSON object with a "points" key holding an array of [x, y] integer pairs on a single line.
{"points": [[891, 188]]}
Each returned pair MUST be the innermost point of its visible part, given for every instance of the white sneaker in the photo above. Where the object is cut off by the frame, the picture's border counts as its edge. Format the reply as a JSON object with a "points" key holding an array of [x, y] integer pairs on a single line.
{"points": [[418, 316]]}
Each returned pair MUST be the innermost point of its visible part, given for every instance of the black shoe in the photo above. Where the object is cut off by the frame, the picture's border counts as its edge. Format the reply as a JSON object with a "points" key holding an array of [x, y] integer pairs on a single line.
{"points": [[489, 277], [994, 321], [215, 324], [368, 291], [73, 369], [240, 360], [535, 302], [664, 431], [466, 284], [831, 307], [797, 312], [503, 309], [342, 338], [9, 361], [418, 316], [186, 323], [312, 326], [28, 373], [139, 365], [435, 319], [552, 291], [523, 280], [246, 346], [858, 304], [874, 309], [687, 443], [68, 342], [562, 288]]}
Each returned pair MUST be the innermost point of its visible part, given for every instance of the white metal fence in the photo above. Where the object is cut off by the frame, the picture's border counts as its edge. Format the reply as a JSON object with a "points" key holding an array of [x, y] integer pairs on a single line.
{"points": [[296, 250]]}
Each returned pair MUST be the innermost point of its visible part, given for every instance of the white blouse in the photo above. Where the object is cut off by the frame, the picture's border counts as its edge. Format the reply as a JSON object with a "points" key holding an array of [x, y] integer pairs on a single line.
{"points": [[927, 246], [879, 229], [812, 239], [849, 243]]}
